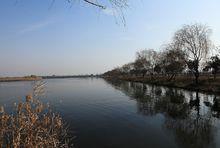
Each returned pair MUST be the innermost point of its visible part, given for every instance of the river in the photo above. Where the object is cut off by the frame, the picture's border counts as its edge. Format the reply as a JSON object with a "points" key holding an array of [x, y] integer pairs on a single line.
{"points": [[119, 114]]}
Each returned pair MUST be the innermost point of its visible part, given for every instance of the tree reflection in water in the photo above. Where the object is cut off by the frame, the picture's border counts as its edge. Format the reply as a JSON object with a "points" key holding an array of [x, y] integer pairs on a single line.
{"points": [[188, 115]]}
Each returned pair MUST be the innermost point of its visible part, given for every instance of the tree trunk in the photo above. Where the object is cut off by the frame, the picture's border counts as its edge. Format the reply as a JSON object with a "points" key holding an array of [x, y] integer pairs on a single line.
{"points": [[215, 75], [143, 74], [151, 76], [197, 77]]}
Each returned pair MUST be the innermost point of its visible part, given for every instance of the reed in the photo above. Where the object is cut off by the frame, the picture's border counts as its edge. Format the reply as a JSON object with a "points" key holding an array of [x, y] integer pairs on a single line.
{"points": [[32, 124]]}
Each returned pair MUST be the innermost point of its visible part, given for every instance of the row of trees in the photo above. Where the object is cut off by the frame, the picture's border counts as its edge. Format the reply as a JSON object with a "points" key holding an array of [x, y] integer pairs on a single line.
{"points": [[189, 51]]}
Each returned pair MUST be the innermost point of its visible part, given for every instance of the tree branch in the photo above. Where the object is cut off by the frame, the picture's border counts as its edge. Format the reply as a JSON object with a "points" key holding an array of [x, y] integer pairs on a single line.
{"points": [[95, 4]]}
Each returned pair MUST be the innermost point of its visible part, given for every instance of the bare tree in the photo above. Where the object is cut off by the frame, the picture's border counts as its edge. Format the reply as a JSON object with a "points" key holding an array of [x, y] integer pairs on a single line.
{"points": [[173, 60], [146, 61], [141, 65], [126, 68], [194, 40], [151, 56], [213, 65]]}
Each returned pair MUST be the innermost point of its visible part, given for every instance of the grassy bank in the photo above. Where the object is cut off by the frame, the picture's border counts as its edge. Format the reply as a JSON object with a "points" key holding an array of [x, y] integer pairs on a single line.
{"points": [[27, 78], [206, 84]]}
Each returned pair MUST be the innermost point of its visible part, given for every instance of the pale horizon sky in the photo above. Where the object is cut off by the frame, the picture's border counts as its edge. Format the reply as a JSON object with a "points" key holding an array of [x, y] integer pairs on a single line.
{"points": [[62, 39]]}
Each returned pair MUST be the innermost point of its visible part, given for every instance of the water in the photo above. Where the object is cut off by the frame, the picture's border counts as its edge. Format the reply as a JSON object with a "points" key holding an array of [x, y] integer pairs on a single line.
{"points": [[116, 114]]}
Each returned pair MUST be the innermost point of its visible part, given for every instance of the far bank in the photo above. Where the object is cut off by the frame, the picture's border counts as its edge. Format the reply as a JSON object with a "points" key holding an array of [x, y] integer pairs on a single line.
{"points": [[26, 78]]}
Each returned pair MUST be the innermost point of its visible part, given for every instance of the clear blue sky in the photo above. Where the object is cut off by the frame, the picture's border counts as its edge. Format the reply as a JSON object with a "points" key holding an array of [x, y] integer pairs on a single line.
{"points": [[36, 38]]}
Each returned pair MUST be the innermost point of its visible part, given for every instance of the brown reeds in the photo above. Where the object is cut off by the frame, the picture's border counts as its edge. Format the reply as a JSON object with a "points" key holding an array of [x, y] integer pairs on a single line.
{"points": [[32, 125]]}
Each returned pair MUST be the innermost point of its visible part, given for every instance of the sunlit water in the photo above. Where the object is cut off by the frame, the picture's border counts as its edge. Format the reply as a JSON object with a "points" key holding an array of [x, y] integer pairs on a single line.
{"points": [[114, 114]]}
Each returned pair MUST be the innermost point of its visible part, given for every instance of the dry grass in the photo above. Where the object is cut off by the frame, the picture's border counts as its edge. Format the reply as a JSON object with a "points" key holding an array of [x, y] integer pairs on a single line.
{"points": [[27, 78], [32, 125]]}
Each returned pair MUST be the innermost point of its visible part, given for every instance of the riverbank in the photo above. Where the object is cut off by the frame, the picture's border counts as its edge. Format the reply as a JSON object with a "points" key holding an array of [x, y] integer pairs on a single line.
{"points": [[206, 84], [12, 79]]}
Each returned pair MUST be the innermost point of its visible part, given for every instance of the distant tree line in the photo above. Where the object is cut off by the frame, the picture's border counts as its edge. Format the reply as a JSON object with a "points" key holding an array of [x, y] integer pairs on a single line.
{"points": [[188, 52]]}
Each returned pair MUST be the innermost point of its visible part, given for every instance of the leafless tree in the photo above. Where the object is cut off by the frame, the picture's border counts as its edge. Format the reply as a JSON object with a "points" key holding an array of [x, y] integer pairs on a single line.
{"points": [[126, 68], [141, 65], [173, 60], [194, 40], [151, 56]]}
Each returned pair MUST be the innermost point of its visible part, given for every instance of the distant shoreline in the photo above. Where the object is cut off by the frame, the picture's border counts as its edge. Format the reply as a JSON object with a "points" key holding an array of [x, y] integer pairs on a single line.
{"points": [[13, 79], [70, 76], [36, 78]]}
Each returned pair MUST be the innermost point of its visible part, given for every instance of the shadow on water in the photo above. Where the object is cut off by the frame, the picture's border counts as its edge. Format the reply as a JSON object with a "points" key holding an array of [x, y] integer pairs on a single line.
{"points": [[191, 117]]}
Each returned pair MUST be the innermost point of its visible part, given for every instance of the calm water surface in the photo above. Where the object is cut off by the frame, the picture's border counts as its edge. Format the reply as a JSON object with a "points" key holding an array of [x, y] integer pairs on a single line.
{"points": [[115, 114]]}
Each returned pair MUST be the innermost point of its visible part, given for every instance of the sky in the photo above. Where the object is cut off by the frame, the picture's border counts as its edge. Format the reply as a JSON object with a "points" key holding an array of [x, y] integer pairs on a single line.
{"points": [[44, 38]]}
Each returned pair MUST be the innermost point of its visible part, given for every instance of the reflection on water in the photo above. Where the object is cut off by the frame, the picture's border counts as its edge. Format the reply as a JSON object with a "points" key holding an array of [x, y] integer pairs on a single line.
{"points": [[119, 114], [191, 116]]}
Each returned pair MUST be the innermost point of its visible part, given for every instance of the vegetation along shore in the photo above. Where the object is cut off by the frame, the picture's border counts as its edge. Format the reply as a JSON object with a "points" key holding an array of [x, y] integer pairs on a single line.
{"points": [[26, 78], [190, 61]]}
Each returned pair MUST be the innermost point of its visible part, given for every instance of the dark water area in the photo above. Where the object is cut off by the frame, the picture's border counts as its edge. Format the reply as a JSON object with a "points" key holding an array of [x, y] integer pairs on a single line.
{"points": [[118, 114]]}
